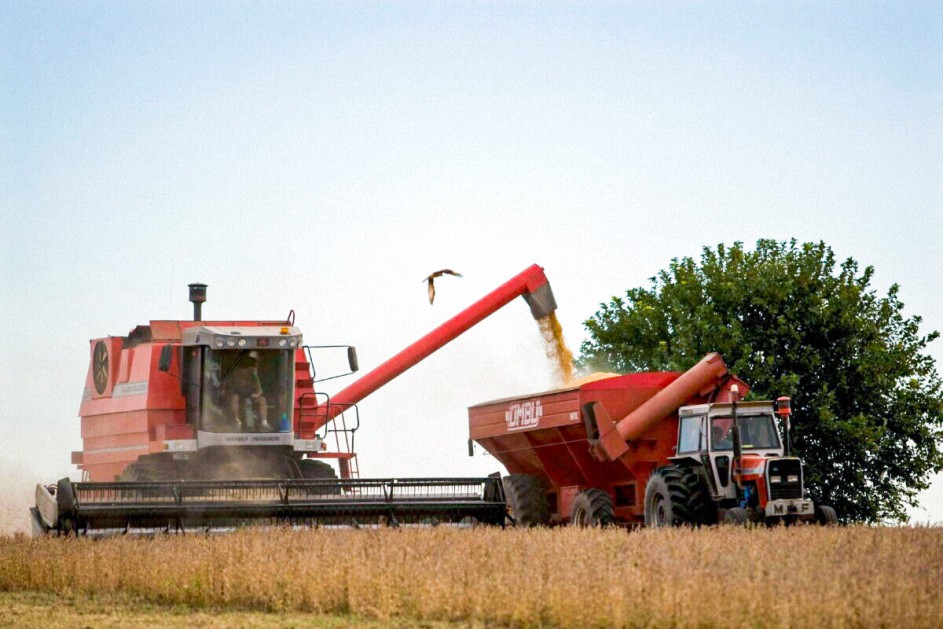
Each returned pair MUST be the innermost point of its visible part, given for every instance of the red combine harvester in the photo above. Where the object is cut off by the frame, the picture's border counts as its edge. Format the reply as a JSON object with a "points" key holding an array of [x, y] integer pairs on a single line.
{"points": [[204, 424], [661, 449]]}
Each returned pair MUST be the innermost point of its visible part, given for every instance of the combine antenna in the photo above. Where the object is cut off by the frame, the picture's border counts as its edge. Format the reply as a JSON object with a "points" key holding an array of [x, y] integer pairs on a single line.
{"points": [[197, 296]]}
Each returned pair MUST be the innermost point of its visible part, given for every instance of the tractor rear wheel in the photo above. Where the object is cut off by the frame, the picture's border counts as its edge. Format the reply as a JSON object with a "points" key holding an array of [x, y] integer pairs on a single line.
{"points": [[825, 515], [527, 499], [592, 507], [675, 496]]}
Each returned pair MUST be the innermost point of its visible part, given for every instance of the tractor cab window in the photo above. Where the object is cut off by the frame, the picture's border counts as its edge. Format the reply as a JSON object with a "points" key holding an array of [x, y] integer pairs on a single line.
{"points": [[757, 432], [690, 434], [246, 391]]}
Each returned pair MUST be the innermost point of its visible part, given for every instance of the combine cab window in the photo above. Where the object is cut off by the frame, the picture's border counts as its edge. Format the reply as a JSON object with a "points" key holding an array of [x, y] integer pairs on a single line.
{"points": [[757, 432], [246, 391]]}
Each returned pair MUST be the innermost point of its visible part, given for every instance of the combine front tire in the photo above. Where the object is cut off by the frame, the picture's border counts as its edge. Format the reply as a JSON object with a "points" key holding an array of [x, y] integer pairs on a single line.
{"points": [[675, 496], [312, 469], [527, 499], [592, 507], [151, 468]]}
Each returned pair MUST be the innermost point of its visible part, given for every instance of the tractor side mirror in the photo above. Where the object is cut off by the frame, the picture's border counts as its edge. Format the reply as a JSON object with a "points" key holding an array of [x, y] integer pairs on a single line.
{"points": [[352, 359], [166, 356]]}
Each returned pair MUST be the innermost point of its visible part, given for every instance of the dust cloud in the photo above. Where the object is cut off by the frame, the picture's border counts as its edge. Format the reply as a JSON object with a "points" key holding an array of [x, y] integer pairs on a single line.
{"points": [[15, 500], [559, 355]]}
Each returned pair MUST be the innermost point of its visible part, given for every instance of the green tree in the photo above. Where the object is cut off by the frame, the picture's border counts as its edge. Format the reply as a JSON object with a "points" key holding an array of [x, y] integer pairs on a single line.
{"points": [[867, 408]]}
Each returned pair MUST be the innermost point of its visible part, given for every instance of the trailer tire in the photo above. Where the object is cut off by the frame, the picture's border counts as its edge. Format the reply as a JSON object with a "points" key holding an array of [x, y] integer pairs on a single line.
{"points": [[674, 496], [826, 515], [592, 507], [527, 499]]}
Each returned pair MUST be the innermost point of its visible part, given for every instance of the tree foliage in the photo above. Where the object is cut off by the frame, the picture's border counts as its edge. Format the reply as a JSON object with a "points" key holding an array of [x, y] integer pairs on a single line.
{"points": [[867, 409]]}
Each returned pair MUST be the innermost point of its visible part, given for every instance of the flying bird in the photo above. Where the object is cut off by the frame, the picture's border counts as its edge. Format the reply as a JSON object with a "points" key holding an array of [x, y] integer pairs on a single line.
{"points": [[432, 284]]}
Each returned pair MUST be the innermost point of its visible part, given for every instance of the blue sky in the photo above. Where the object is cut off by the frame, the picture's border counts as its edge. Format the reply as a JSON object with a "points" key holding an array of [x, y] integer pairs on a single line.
{"points": [[326, 156]]}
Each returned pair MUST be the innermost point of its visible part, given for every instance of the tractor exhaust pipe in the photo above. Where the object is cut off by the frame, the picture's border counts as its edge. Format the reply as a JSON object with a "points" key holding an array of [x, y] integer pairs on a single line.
{"points": [[197, 297]]}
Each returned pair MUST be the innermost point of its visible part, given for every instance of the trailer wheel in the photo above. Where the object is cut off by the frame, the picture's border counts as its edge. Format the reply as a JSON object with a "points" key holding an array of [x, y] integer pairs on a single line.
{"points": [[825, 515], [592, 507], [674, 496], [527, 499]]}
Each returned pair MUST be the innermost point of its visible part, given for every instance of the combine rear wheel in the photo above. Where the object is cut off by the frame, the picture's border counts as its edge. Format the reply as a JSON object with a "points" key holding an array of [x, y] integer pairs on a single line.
{"points": [[527, 499], [675, 496], [592, 507]]}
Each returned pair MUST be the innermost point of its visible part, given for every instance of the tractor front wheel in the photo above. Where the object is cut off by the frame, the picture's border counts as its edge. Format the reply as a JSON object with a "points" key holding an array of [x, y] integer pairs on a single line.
{"points": [[825, 515], [592, 507], [736, 516], [527, 499], [674, 496]]}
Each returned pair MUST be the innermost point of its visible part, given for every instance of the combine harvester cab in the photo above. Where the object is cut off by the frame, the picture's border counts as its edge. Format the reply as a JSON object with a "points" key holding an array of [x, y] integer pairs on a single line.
{"points": [[659, 448], [208, 424]]}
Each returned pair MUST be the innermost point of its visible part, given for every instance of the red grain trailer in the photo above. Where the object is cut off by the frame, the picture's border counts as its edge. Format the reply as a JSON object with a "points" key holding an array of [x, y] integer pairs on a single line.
{"points": [[639, 448]]}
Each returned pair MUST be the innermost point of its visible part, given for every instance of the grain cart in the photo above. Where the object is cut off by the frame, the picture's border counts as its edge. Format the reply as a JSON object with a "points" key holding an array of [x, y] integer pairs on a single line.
{"points": [[658, 449], [196, 424]]}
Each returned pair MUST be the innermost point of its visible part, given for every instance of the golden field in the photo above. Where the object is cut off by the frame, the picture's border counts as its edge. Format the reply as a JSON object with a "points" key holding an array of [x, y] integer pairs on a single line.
{"points": [[799, 576]]}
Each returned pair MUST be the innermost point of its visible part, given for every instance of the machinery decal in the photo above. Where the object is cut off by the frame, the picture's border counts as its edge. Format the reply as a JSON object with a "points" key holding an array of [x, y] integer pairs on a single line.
{"points": [[130, 388], [100, 367], [523, 415]]}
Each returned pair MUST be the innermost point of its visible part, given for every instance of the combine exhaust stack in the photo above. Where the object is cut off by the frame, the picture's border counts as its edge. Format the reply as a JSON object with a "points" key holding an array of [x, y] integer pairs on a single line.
{"points": [[100, 508]]}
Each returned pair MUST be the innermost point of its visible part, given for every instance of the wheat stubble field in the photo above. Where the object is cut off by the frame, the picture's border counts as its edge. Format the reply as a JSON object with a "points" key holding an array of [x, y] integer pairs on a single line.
{"points": [[801, 576]]}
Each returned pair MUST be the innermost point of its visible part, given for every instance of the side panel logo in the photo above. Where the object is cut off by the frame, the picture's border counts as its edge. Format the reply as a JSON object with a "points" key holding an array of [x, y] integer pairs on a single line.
{"points": [[523, 415]]}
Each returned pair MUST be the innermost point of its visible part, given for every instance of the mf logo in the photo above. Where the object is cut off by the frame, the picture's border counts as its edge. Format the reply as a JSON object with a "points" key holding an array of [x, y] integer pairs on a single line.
{"points": [[522, 415]]}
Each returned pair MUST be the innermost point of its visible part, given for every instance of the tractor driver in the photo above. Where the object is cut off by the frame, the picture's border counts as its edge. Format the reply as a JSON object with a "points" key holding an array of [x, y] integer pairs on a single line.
{"points": [[720, 438], [241, 386]]}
